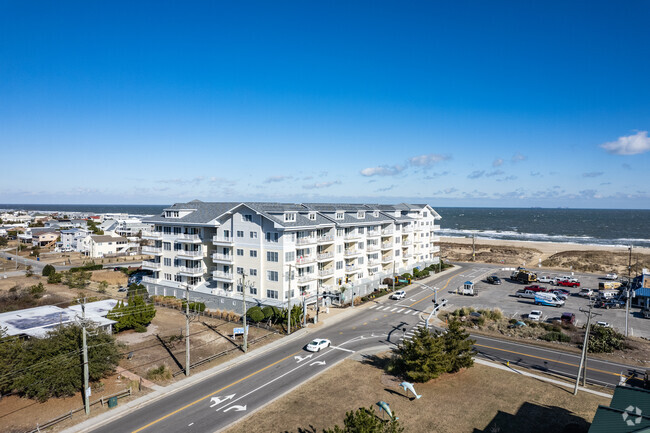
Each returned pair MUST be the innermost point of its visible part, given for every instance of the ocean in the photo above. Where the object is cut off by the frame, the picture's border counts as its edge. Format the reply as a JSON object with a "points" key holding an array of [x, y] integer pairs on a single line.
{"points": [[613, 227]]}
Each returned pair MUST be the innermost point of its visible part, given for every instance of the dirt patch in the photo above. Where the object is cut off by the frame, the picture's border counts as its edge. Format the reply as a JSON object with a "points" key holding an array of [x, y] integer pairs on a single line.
{"points": [[485, 253], [598, 261], [461, 402], [113, 278]]}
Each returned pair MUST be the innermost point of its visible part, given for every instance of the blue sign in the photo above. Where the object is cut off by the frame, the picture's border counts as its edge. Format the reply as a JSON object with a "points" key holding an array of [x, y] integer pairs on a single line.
{"points": [[236, 331]]}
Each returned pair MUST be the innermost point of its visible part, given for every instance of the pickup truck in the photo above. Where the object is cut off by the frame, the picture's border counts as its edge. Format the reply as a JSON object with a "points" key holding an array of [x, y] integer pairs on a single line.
{"points": [[545, 279], [525, 294], [646, 313], [586, 293], [567, 283], [535, 288]]}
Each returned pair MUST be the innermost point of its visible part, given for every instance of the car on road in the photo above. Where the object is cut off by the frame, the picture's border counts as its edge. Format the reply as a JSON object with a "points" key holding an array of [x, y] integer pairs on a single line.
{"points": [[586, 293], [609, 304], [400, 294], [536, 288], [545, 279], [535, 315], [122, 289], [567, 283], [318, 344], [646, 313], [493, 279], [604, 324], [611, 276]]}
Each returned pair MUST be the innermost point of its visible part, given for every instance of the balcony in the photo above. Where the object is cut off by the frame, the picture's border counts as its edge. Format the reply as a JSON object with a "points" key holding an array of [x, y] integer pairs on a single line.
{"points": [[373, 247], [407, 255], [352, 236], [191, 255], [435, 249], [386, 232], [386, 245], [351, 268], [407, 243], [156, 236], [325, 239], [407, 229], [387, 259], [373, 262], [146, 249], [324, 257], [224, 258], [161, 282], [435, 239], [373, 233], [436, 227], [306, 241], [154, 266], [326, 272], [192, 239], [352, 252], [305, 278], [222, 276], [222, 240], [190, 271], [303, 261]]}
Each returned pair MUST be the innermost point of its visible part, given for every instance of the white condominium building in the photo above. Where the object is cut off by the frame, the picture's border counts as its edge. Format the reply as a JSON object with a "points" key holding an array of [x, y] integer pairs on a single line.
{"points": [[209, 247]]}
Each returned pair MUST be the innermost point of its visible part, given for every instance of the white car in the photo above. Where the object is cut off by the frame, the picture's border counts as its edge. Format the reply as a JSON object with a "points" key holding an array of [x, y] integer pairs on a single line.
{"points": [[604, 324], [611, 276], [318, 344], [535, 315], [400, 294], [586, 293], [545, 279]]}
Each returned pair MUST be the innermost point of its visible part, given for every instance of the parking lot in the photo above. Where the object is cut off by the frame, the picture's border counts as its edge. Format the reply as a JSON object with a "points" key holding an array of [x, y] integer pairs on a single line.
{"points": [[503, 297]]}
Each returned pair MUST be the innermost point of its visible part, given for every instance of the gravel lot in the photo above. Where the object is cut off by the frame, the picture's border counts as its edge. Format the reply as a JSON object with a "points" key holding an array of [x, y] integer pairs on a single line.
{"points": [[502, 296]]}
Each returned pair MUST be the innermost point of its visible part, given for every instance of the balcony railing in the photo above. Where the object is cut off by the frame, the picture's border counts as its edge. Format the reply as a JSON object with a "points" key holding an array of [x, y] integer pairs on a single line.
{"points": [[373, 233], [222, 239], [373, 247], [435, 249], [146, 249], [435, 239], [184, 237], [218, 257], [387, 232], [326, 272], [351, 236], [386, 245], [351, 252], [222, 275], [148, 264], [407, 243], [306, 278], [374, 262], [306, 241], [324, 256], [407, 229], [191, 271], [436, 227], [387, 259], [152, 235], [352, 268], [193, 254], [325, 238], [407, 255], [305, 260]]}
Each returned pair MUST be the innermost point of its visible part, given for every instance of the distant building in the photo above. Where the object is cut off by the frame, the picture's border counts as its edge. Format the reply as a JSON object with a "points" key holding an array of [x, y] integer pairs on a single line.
{"points": [[37, 322], [642, 293], [44, 238], [103, 245], [72, 240]]}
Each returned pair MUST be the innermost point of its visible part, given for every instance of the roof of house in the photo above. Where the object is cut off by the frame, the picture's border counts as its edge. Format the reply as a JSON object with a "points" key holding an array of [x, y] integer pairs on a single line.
{"points": [[105, 238], [628, 403]]}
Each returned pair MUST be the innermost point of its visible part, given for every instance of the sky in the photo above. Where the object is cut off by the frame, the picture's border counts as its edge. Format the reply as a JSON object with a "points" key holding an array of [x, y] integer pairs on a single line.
{"points": [[467, 103]]}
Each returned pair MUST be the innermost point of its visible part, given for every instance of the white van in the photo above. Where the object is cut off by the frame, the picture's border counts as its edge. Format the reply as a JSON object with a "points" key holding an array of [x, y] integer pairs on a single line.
{"points": [[608, 294], [542, 298]]}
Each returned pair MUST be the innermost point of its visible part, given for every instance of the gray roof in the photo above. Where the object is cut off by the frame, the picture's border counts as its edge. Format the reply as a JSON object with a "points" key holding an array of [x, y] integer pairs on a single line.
{"points": [[203, 214], [105, 238]]}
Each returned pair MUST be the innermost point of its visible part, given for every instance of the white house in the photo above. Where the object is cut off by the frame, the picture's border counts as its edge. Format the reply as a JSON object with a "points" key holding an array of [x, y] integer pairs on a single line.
{"points": [[103, 245], [72, 240]]}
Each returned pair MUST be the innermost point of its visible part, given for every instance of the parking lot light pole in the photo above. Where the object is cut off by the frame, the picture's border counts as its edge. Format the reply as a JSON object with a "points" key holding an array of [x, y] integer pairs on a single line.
{"points": [[627, 290], [433, 289]]}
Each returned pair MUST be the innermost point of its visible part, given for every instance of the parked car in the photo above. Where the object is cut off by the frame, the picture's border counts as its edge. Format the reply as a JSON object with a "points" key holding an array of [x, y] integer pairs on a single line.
{"points": [[535, 315], [493, 279], [560, 294], [604, 324], [563, 291], [567, 283], [611, 276], [525, 294], [646, 313], [536, 288], [400, 294], [122, 289], [545, 279], [568, 318], [609, 304], [586, 293], [318, 344]]}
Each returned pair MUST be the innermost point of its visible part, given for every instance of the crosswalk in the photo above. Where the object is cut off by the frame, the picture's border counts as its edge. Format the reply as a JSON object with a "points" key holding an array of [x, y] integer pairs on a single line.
{"points": [[409, 334], [399, 309]]}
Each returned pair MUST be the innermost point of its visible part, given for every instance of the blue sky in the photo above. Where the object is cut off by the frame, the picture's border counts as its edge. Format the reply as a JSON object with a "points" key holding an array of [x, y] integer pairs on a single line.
{"points": [[462, 103]]}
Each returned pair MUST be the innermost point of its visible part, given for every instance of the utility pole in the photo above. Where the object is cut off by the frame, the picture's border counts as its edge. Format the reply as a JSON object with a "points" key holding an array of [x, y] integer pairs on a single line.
{"points": [[187, 331], [84, 347], [289, 304], [393, 275], [474, 247], [243, 292], [627, 290], [585, 344], [317, 305]]}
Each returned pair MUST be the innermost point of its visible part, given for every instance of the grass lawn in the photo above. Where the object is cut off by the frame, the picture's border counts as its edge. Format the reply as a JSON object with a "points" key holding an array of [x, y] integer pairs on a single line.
{"points": [[480, 399]]}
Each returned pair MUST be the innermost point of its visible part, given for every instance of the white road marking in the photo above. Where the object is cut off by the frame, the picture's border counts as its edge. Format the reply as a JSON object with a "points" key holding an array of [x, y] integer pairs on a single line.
{"points": [[317, 363], [340, 348], [401, 309], [393, 309], [190, 424], [415, 312], [236, 408], [218, 400], [299, 358], [372, 306]]}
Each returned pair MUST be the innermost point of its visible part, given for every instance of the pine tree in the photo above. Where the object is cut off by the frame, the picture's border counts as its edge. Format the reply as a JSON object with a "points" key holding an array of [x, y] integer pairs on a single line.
{"points": [[458, 347], [363, 420], [421, 358]]}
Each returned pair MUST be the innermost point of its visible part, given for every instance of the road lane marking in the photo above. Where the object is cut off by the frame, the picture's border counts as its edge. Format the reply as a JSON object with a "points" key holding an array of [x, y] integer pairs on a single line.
{"points": [[415, 312], [393, 309], [372, 306], [340, 348], [216, 392], [443, 288], [401, 309]]}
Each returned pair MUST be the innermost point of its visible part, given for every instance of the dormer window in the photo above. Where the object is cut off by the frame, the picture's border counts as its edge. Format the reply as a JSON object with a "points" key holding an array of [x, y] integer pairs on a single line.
{"points": [[247, 218], [171, 214], [398, 213], [290, 217], [312, 216], [340, 215], [361, 214], [375, 214]]}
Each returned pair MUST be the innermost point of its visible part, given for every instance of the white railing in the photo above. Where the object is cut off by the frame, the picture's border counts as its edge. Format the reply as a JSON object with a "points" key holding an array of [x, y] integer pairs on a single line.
{"points": [[219, 238], [374, 262], [435, 249], [325, 238], [305, 260], [386, 245], [305, 241], [187, 237], [222, 274], [372, 233], [407, 243], [306, 278], [148, 264], [407, 255], [223, 257], [189, 253], [352, 268], [435, 239], [192, 271], [436, 227], [373, 247], [387, 231], [325, 256], [387, 259], [351, 236], [351, 252], [146, 249], [407, 229], [325, 272], [151, 235]]}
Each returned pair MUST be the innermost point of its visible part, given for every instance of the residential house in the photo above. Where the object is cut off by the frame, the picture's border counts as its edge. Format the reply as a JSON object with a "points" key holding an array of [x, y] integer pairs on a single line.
{"points": [[104, 245]]}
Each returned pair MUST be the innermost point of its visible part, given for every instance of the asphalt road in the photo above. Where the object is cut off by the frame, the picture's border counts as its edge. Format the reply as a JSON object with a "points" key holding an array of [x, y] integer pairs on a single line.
{"points": [[222, 399]]}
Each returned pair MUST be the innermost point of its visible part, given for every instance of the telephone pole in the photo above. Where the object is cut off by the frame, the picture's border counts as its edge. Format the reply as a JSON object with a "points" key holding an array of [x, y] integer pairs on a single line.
{"points": [[585, 345], [393, 276], [84, 347], [243, 292], [289, 304], [627, 290], [187, 331]]}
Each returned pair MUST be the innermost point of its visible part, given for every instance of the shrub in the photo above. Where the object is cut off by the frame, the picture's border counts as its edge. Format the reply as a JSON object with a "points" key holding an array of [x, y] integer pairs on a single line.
{"points": [[159, 373], [555, 336], [388, 281], [48, 270], [37, 290], [603, 339], [54, 278], [255, 314]]}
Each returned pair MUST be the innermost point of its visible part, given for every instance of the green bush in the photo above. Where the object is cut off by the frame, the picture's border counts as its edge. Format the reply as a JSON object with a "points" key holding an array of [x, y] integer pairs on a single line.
{"points": [[89, 267], [159, 373], [48, 270], [556, 336], [606, 340], [54, 278], [37, 290], [255, 314]]}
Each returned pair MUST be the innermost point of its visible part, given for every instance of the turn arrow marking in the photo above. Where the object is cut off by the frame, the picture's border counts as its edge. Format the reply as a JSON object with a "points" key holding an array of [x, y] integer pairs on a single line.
{"points": [[218, 400], [317, 363], [236, 408], [299, 358]]}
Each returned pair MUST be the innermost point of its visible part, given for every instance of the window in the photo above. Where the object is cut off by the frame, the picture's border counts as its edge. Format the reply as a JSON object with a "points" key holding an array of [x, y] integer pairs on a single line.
{"points": [[312, 216], [178, 247], [375, 214], [240, 233], [290, 256], [247, 218], [168, 277], [361, 214], [240, 251], [272, 294], [360, 245], [253, 272], [340, 215], [240, 271], [339, 249], [177, 230], [167, 230], [272, 275], [168, 261], [167, 246], [339, 232], [290, 216], [271, 256], [396, 252], [360, 229], [253, 253], [178, 278], [253, 235], [252, 290], [360, 275], [339, 265]]}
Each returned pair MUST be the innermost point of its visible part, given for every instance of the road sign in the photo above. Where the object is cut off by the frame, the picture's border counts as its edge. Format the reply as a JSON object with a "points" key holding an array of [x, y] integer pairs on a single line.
{"points": [[239, 331]]}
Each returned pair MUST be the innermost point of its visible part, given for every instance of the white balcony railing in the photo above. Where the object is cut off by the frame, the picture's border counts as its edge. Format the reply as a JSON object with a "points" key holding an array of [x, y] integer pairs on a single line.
{"points": [[146, 249], [373, 247], [435, 249], [223, 257], [324, 256], [387, 232], [436, 227], [325, 272], [193, 254], [407, 229], [374, 262], [305, 260], [325, 238], [435, 239], [148, 264], [191, 271], [183, 237], [152, 235], [407, 255], [387, 259], [306, 278], [306, 241], [351, 236], [222, 275], [407, 243], [373, 233], [352, 268], [222, 239], [386, 245], [352, 252]]}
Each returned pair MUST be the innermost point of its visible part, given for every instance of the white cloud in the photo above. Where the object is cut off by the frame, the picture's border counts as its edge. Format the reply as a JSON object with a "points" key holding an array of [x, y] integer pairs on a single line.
{"points": [[494, 173], [320, 185], [277, 179], [383, 170], [518, 157], [593, 174], [497, 162], [427, 160], [629, 145], [388, 188], [476, 174]]}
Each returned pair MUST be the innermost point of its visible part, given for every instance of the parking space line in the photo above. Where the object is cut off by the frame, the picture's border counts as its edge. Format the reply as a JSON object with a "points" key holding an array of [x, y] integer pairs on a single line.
{"points": [[400, 310], [393, 309]]}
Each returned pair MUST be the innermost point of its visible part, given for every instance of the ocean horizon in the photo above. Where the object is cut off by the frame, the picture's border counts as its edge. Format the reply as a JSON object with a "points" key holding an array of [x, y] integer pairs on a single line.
{"points": [[607, 227]]}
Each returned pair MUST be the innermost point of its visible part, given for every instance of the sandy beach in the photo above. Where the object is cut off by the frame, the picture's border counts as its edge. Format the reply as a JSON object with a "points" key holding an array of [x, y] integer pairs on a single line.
{"points": [[578, 257]]}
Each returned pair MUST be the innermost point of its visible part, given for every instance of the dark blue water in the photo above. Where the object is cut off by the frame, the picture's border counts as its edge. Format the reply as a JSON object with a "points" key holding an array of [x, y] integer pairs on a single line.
{"points": [[620, 227]]}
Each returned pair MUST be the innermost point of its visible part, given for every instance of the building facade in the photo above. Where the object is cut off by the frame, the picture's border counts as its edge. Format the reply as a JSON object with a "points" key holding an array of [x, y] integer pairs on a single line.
{"points": [[219, 248]]}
